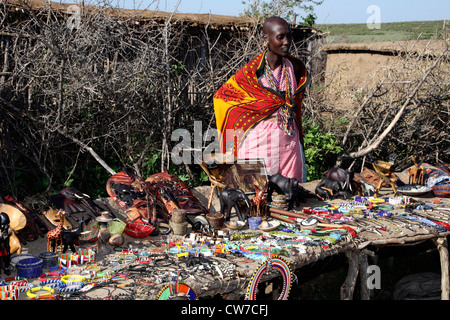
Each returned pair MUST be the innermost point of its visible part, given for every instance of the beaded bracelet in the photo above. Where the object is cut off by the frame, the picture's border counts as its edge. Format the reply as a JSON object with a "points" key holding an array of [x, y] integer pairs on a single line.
{"points": [[87, 287], [164, 262], [59, 269], [49, 276], [14, 280], [50, 282], [100, 279], [70, 286], [384, 213], [19, 285], [31, 293], [120, 276], [392, 225], [73, 278]]}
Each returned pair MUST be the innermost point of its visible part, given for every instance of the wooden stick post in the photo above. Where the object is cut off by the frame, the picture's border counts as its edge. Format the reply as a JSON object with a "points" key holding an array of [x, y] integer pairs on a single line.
{"points": [[442, 246], [348, 286]]}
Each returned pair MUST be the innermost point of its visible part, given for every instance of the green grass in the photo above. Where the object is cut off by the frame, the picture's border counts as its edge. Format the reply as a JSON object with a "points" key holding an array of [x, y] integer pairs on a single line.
{"points": [[394, 31]]}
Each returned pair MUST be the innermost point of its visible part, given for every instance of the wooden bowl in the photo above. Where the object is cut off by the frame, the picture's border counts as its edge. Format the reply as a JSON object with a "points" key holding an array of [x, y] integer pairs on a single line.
{"points": [[235, 225], [270, 226]]}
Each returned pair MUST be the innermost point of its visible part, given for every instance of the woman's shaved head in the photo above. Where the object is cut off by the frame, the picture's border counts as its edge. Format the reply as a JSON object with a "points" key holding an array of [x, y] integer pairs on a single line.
{"points": [[270, 23], [277, 32]]}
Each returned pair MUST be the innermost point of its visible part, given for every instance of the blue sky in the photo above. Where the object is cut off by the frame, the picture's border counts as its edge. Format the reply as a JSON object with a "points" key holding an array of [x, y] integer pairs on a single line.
{"points": [[331, 11]]}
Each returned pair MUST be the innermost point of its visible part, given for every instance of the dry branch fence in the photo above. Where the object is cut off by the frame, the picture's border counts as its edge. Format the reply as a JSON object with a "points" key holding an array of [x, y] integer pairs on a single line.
{"points": [[113, 85]]}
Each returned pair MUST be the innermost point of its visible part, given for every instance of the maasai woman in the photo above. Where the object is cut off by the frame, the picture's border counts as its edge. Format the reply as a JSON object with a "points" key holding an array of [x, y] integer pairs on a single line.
{"points": [[258, 110]]}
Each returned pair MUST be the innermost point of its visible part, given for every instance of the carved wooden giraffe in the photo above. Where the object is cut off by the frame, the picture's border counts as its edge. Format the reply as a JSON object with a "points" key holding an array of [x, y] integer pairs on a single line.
{"points": [[54, 236], [416, 172], [259, 201]]}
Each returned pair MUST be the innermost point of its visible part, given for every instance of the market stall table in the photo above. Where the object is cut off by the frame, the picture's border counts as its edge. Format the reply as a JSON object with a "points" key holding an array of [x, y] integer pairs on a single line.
{"points": [[197, 266]]}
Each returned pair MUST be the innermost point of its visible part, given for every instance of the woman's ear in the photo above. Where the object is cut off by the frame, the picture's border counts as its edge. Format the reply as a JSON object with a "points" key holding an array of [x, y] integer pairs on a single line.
{"points": [[266, 40]]}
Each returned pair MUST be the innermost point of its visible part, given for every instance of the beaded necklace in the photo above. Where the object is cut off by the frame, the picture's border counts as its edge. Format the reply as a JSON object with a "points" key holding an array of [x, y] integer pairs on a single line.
{"points": [[274, 82], [285, 115]]}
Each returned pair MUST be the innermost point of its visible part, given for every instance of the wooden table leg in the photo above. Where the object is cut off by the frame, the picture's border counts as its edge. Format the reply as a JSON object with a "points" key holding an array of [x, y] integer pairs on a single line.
{"points": [[442, 246], [358, 266], [363, 266], [348, 287]]}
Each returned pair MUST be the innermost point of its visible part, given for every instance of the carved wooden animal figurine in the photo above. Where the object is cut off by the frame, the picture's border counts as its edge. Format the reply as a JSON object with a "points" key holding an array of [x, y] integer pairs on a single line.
{"points": [[290, 187], [5, 249], [54, 236], [230, 198], [416, 172], [385, 171], [259, 201], [14, 243], [69, 236], [327, 189]]}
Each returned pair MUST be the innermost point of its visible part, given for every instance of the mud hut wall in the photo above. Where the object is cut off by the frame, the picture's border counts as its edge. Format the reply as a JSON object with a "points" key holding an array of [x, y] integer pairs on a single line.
{"points": [[350, 68]]}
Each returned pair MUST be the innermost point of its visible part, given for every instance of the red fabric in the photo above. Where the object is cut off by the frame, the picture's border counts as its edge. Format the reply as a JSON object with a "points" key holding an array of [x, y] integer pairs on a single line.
{"points": [[252, 101]]}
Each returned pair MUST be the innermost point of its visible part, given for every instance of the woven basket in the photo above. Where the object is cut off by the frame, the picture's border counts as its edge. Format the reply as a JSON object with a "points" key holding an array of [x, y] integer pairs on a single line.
{"points": [[178, 216], [49, 259], [441, 190], [138, 229], [215, 219], [29, 267], [254, 222], [17, 257], [116, 226], [89, 234], [179, 229]]}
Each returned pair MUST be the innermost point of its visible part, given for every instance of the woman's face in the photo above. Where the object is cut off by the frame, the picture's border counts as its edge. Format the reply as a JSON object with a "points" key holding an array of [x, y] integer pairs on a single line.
{"points": [[279, 37]]}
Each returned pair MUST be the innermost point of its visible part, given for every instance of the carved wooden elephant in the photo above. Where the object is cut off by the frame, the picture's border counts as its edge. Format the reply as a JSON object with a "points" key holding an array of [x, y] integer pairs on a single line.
{"points": [[336, 182], [230, 198], [290, 187]]}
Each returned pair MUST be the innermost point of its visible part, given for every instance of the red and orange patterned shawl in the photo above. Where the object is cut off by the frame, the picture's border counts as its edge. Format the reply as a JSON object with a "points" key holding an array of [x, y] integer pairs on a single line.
{"points": [[242, 102]]}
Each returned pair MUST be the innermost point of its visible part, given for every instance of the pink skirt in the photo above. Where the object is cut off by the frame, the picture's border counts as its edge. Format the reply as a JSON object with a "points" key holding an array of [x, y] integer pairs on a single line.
{"points": [[281, 153]]}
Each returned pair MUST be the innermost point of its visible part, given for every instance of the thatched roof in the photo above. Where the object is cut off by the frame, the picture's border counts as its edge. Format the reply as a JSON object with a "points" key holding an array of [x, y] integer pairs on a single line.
{"points": [[212, 20], [427, 47]]}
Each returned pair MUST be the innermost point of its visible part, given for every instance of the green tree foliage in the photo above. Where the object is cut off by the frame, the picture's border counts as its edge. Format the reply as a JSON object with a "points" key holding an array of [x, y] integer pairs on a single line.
{"points": [[286, 9], [321, 149]]}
